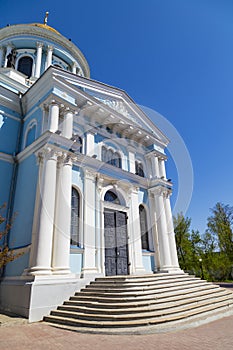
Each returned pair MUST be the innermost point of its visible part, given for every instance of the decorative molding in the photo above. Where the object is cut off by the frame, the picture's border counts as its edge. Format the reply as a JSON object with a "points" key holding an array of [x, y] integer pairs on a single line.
{"points": [[7, 157]]}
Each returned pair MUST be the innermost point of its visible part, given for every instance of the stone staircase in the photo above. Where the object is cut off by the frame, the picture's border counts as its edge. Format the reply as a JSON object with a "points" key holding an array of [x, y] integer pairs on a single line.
{"points": [[142, 304]]}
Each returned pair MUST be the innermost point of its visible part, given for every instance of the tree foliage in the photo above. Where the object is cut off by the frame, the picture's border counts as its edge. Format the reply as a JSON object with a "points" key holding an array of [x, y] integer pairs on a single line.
{"points": [[209, 255], [188, 244], [6, 254]]}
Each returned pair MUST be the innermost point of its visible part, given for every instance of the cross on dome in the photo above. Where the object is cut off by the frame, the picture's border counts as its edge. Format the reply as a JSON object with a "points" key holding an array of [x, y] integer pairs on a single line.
{"points": [[46, 18]]}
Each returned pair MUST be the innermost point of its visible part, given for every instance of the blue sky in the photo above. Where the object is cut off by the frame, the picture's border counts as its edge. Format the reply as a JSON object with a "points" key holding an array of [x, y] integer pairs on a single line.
{"points": [[172, 56]]}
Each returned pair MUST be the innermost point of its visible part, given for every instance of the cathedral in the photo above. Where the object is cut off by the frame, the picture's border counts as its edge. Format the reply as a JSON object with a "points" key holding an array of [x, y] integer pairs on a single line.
{"points": [[82, 173]]}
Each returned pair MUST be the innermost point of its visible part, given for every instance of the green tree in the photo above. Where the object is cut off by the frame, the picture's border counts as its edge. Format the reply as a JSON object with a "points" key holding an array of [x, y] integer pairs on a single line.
{"points": [[6, 254], [218, 242], [188, 244]]}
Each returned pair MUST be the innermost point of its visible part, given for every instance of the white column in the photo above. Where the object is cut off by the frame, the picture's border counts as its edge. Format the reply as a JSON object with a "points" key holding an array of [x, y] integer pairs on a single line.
{"points": [[61, 240], [38, 59], [154, 231], [49, 56], [132, 161], [89, 260], [53, 116], [67, 125], [155, 166], [1, 55], [135, 238], [162, 170], [164, 247], [171, 234], [90, 144], [43, 238], [8, 50], [74, 68]]}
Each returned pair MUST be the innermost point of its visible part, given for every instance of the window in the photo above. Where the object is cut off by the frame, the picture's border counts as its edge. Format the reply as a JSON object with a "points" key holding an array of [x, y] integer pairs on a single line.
{"points": [[111, 197], [139, 169], [143, 227], [25, 65], [75, 216], [111, 157]]}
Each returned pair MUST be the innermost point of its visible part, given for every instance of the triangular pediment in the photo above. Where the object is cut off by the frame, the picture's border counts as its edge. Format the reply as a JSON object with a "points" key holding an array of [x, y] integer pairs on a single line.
{"points": [[116, 100]]}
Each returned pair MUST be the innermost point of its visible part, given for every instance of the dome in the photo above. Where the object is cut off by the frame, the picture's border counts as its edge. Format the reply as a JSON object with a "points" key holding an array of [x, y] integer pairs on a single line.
{"points": [[45, 26], [32, 48]]}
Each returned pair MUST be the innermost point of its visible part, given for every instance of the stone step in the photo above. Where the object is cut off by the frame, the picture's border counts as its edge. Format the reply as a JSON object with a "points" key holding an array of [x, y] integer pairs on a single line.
{"points": [[146, 302], [154, 291], [138, 315], [139, 322], [142, 278], [139, 287], [93, 308], [134, 302], [142, 296]]}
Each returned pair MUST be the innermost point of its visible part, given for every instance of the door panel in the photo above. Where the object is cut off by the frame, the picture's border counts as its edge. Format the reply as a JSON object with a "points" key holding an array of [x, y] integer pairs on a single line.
{"points": [[122, 246], [110, 243], [116, 247]]}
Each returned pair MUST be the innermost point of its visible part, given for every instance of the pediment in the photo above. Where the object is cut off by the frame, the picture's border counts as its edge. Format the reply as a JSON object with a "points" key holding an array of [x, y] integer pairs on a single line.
{"points": [[116, 100]]}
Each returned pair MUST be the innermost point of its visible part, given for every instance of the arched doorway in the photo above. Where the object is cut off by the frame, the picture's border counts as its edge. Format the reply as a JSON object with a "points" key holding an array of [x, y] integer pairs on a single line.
{"points": [[115, 239]]}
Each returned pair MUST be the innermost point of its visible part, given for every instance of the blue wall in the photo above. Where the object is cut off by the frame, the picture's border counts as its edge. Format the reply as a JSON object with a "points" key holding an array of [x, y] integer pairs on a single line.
{"points": [[9, 129], [5, 181], [20, 234]]}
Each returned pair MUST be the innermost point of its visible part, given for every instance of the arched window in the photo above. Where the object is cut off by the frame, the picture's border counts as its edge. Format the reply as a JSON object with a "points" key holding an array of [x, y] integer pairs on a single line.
{"points": [[143, 227], [110, 196], [111, 157], [139, 169], [25, 65], [75, 216]]}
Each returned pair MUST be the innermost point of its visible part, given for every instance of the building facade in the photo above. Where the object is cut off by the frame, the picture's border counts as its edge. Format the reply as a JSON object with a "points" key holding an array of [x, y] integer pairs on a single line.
{"points": [[82, 167]]}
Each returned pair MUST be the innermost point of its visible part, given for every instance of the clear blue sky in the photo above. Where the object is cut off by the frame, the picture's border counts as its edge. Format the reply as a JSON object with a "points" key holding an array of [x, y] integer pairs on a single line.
{"points": [[173, 56]]}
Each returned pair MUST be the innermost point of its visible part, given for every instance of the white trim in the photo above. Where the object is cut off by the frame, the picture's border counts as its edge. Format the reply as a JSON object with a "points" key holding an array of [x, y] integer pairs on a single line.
{"points": [[149, 226], [31, 125], [81, 198], [6, 157]]}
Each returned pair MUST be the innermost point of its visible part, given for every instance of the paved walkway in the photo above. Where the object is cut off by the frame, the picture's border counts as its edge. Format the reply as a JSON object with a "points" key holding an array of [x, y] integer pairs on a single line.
{"points": [[217, 335]]}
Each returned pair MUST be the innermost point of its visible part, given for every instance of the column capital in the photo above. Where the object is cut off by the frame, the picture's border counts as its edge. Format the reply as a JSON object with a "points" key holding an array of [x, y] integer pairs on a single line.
{"points": [[47, 153], [158, 154], [89, 174], [53, 102], [39, 44], [50, 48], [65, 110], [161, 191]]}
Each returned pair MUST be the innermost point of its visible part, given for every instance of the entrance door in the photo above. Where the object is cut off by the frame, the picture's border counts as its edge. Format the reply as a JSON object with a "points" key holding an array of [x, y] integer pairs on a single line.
{"points": [[116, 247]]}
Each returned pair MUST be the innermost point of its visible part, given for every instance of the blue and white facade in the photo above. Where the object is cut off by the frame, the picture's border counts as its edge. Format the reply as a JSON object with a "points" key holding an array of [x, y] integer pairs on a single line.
{"points": [[84, 169]]}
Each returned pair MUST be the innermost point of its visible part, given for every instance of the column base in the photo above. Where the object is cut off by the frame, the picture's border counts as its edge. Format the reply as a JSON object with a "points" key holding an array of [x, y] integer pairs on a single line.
{"points": [[91, 273], [169, 269], [37, 270], [140, 271], [61, 271]]}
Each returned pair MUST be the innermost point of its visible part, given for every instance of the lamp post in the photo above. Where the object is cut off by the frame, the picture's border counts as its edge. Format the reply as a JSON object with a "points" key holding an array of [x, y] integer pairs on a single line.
{"points": [[201, 267]]}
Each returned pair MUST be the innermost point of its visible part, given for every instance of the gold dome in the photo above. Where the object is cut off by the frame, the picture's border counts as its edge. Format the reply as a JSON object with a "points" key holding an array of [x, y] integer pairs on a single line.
{"points": [[45, 26]]}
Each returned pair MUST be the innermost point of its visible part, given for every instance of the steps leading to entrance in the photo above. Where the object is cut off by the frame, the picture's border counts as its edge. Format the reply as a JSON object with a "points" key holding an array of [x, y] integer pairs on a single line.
{"points": [[131, 303]]}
